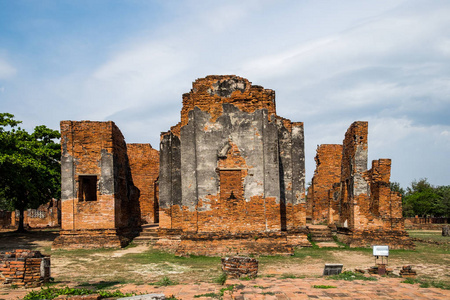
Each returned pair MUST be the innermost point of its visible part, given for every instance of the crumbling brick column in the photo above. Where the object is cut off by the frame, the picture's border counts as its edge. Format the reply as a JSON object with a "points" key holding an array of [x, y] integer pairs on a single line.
{"points": [[24, 268]]}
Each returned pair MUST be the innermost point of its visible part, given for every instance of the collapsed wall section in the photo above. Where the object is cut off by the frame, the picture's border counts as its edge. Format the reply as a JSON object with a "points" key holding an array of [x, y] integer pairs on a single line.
{"points": [[359, 201], [99, 203]]}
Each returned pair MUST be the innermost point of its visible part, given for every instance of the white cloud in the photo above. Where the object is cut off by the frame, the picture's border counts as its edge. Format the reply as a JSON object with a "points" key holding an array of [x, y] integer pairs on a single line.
{"points": [[6, 69]]}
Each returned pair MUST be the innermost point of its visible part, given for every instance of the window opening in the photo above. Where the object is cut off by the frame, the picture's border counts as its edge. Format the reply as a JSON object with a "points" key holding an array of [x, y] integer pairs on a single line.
{"points": [[87, 188]]}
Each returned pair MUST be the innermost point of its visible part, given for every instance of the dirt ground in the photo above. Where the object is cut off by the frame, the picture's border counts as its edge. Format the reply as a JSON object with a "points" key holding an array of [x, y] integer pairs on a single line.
{"points": [[130, 268]]}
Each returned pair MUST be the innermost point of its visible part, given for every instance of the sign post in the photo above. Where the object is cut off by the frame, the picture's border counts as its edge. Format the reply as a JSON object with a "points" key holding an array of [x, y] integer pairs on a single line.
{"points": [[381, 251]]}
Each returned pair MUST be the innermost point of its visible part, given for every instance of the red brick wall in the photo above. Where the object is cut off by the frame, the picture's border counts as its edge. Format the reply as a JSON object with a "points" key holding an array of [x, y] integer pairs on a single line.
{"points": [[355, 198], [235, 194], [46, 215], [328, 171], [144, 164], [253, 97], [24, 268], [97, 148]]}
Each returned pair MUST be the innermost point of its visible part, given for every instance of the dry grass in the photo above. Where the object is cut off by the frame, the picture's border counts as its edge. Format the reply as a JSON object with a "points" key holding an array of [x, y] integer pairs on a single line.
{"points": [[142, 265]]}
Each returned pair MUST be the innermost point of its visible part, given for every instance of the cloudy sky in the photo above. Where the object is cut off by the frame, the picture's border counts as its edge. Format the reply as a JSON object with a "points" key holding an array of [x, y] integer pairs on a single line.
{"points": [[329, 62]]}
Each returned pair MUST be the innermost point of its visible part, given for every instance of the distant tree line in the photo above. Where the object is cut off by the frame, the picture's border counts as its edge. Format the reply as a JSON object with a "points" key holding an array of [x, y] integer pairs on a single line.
{"points": [[423, 199]]}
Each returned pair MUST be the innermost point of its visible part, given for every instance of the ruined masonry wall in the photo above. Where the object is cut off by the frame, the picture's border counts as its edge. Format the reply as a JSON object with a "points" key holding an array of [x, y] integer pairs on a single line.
{"points": [[224, 167], [209, 93], [353, 186], [87, 149], [328, 171], [24, 268], [109, 208], [144, 164]]}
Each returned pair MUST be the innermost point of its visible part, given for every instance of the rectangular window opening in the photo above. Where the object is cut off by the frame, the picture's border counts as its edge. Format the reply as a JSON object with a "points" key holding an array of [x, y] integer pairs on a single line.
{"points": [[87, 188]]}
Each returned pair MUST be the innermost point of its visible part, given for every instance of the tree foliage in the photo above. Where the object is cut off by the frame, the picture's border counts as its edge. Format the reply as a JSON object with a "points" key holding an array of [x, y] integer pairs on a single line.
{"points": [[423, 199], [30, 168]]}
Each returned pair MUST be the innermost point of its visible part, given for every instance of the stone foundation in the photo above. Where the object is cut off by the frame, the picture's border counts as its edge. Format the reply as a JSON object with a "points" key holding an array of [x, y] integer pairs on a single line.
{"points": [[367, 238], [90, 239], [221, 244], [237, 267], [24, 268]]}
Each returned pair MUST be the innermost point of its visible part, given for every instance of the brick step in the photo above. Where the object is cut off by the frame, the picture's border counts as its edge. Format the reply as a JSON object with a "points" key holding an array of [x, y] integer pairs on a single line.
{"points": [[149, 233], [322, 239], [146, 237], [320, 233]]}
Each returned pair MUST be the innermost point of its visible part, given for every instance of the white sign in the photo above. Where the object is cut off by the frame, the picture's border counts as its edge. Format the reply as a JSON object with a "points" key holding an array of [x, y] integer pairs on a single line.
{"points": [[380, 250]]}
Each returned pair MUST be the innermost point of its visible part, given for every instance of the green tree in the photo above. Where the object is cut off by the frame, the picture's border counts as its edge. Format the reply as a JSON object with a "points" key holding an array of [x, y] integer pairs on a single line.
{"points": [[443, 206], [395, 187], [30, 170], [420, 199]]}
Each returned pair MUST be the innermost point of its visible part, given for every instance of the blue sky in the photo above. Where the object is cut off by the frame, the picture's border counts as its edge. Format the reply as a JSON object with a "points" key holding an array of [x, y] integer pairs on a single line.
{"points": [[329, 62]]}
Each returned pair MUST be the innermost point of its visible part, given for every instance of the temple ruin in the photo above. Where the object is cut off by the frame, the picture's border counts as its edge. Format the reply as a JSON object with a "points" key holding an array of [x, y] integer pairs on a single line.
{"points": [[232, 168], [357, 202], [229, 179]]}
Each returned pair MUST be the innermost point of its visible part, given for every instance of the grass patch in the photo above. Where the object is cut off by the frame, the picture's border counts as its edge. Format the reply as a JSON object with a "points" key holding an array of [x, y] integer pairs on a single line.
{"points": [[218, 295], [287, 275], [165, 281], [350, 276], [268, 293], [210, 295], [321, 286], [246, 278], [431, 235], [427, 284], [341, 244], [101, 285], [221, 279], [313, 244], [52, 293]]}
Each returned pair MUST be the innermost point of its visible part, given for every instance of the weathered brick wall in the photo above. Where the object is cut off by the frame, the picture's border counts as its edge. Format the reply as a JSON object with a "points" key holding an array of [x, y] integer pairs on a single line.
{"points": [[219, 244], [97, 191], [354, 188], [359, 201], [328, 171], [231, 165], [46, 215], [209, 93], [238, 266], [24, 268], [144, 164], [309, 199]]}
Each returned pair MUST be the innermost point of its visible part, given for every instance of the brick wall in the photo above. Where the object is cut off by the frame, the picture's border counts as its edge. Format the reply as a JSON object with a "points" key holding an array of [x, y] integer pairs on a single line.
{"points": [[98, 198], [24, 268], [46, 215], [231, 165], [328, 171], [209, 93], [238, 266], [358, 201], [144, 164]]}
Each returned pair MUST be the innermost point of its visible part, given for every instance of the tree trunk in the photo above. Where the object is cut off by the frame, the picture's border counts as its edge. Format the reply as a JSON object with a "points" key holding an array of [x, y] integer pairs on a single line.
{"points": [[21, 217], [446, 230]]}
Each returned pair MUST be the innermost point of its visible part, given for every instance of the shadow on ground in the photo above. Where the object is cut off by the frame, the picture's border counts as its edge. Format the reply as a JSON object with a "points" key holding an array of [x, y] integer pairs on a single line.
{"points": [[32, 239]]}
